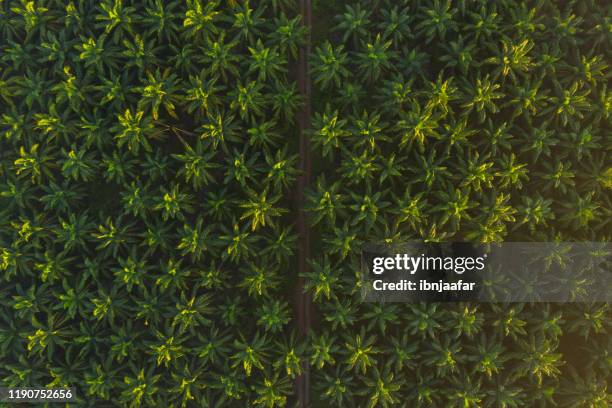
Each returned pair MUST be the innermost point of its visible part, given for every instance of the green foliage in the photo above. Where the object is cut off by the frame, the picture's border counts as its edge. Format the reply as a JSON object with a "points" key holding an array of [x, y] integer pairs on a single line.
{"points": [[147, 165], [464, 121], [148, 169]]}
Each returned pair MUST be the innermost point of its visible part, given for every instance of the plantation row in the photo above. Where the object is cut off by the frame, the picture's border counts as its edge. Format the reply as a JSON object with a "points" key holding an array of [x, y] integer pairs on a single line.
{"points": [[464, 121], [148, 167]]}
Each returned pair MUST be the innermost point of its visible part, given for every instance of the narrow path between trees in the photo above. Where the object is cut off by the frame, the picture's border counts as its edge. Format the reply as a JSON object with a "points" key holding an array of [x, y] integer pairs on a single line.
{"points": [[304, 300]]}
